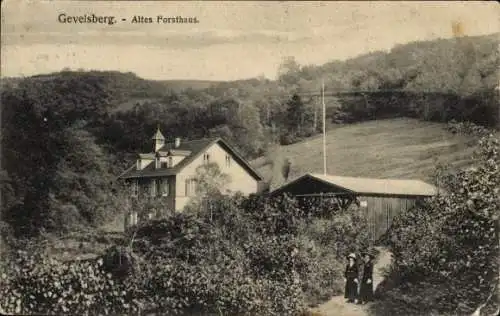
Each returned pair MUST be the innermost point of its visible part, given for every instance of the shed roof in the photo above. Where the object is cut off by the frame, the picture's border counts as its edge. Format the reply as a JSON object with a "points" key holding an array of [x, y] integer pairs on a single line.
{"points": [[369, 186]]}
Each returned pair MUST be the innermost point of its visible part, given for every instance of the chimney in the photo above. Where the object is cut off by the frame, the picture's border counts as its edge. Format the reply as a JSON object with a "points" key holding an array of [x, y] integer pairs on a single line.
{"points": [[177, 142]]}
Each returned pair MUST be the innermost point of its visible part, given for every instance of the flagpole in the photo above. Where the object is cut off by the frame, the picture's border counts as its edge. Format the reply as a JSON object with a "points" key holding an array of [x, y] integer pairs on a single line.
{"points": [[324, 126]]}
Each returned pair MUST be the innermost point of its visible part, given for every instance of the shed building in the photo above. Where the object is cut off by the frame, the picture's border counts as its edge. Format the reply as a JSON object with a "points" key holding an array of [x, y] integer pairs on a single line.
{"points": [[381, 199]]}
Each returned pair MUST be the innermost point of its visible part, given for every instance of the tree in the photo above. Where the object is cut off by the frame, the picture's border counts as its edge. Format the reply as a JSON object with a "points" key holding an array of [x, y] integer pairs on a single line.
{"points": [[248, 130], [210, 182], [82, 182], [446, 250], [33, 155], [289, 71], [295, 114]]}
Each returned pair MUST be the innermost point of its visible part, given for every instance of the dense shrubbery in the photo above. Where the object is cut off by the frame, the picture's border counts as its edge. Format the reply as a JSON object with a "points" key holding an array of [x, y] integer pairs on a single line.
{"points": [[446, 252], [481, 108], [467, 128], [235, 256], [32, 285]]}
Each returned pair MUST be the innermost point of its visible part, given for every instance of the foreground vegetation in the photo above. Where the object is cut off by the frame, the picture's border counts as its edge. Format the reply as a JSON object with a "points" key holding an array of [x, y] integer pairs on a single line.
{"points": [[247, 256], [446, 251], [238, 256]]}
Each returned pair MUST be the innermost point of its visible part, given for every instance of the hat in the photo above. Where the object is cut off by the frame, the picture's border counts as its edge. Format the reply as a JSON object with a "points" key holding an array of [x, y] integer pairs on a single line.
{"points": [[351, 255]]}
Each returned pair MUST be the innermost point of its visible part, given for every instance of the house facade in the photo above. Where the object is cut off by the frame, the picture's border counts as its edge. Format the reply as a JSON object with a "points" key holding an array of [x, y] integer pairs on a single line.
{"points": [[169, 171]]}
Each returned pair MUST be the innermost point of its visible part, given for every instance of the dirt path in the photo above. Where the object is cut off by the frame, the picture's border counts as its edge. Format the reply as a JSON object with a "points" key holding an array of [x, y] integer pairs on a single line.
{"points": [[337, 305]]}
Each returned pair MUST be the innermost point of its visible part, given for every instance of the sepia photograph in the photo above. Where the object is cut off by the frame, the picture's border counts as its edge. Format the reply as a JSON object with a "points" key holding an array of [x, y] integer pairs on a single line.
{"points": [[250, 158]]}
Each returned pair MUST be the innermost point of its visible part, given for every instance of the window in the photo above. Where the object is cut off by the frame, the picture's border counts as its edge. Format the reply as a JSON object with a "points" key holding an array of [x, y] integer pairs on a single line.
{"points": [[157, 163], [164, 164], [159, 186], [135, 188], [190, 187], [132, 219], [153, 187], [164, 187], [170, 162], [206, 158], [228, 161]]}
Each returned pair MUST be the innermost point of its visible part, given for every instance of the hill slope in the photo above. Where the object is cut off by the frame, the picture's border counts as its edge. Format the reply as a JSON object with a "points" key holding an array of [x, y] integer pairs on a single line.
{"points": [[395, 148]]}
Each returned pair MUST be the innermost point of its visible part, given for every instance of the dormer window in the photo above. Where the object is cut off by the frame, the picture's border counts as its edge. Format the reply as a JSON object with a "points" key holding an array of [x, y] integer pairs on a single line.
{"points": [[168, 164]]}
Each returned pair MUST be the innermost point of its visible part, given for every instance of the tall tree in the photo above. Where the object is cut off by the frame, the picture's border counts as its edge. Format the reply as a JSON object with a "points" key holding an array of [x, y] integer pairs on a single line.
{"points": [[295, 114], [249, 132], [36, 114], [82, 181], [289, 71]]}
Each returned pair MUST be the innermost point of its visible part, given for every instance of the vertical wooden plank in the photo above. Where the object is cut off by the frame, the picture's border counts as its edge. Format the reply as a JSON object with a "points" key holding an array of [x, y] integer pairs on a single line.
{"points": [[383, 209], [383, 217], [373, 217], [380, 210], [376, 217], [390, 205], [370, 209]]}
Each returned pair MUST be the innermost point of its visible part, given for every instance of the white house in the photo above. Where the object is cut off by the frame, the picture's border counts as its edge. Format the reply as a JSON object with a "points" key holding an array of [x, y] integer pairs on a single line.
{"points": [[169, 170]]}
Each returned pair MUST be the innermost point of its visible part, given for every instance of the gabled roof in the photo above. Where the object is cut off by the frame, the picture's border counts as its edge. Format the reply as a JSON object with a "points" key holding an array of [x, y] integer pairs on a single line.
{"points": [[369, 186], [195, 148]]}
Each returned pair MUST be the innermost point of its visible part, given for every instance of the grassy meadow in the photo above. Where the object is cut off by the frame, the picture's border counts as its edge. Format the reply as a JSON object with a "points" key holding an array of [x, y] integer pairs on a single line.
{"points": [[394, 148]]}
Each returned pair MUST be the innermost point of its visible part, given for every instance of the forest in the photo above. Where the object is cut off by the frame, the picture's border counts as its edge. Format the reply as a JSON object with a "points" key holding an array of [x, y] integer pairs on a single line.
{"points": [[66, 136]]}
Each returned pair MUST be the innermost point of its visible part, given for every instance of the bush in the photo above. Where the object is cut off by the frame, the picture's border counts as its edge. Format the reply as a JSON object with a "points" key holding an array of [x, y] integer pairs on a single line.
{"points": [[40, 286], [446, 251], [328, 241], [235, 256], [467, 128]]}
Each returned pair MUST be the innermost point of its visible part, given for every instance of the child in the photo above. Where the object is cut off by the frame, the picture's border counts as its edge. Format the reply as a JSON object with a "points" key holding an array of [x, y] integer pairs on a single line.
{"points": [[366, 291], [351, 276]]}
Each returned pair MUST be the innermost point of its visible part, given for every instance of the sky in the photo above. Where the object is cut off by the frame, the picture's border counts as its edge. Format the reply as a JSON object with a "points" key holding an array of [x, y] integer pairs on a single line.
{"points": [[233, 40]]}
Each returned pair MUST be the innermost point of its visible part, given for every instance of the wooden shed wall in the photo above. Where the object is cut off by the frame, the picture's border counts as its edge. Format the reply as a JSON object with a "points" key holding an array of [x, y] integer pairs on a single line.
{"points": [[381, 211]]}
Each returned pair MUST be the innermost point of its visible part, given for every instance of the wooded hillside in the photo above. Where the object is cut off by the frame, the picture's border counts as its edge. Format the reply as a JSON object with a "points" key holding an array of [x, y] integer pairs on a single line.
{"points": [[65, 136]]}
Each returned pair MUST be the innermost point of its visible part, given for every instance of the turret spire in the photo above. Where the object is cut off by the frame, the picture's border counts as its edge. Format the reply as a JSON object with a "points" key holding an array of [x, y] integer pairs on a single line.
{"points": [[159, 139]]}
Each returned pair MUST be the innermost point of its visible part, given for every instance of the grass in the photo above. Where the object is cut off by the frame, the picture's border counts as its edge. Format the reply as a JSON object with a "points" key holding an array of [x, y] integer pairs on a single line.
{"points": [[395, 148]]}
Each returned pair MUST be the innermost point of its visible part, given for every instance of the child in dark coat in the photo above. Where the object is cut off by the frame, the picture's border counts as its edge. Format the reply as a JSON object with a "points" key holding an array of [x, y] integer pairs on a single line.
{"points": [[351, 276], [366, 290]]}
